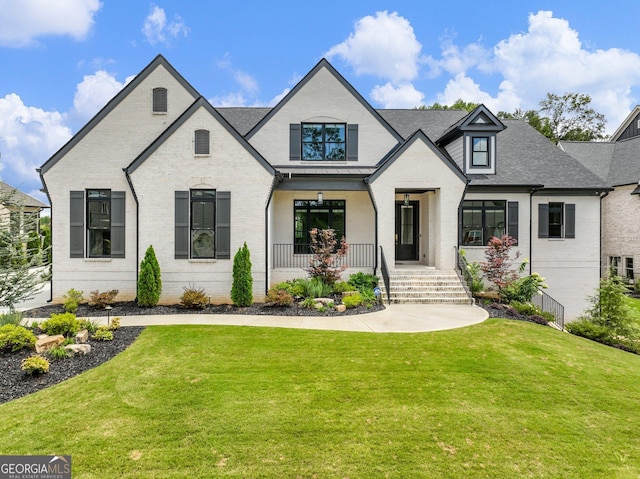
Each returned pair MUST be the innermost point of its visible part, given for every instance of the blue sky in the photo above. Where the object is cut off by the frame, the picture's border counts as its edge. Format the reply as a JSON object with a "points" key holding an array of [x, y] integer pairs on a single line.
{"points": [[63, 60]]}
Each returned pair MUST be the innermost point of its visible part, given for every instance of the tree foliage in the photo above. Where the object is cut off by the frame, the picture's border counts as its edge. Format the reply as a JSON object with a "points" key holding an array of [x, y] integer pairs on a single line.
{"points": [[325, 262], [242, 288], [149, 280], [459, 104], [609, 308], [497, 268], [21, 254]]}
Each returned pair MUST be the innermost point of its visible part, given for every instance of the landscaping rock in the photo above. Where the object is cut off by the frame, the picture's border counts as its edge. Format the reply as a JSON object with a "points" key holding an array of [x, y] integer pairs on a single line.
{"points": [[49, 342], [78, 348], [349, 293], [341, 308], [82, 336], [324, 300]]}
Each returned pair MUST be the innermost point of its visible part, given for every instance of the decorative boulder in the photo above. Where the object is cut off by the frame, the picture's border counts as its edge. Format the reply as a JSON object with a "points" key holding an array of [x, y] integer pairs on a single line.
{"points": [[45, 344]]}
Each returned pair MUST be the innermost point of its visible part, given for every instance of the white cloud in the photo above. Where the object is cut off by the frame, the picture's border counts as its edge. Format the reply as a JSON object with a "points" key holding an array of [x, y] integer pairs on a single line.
{"points": [[156, 29], [247, 84], [94, 92], [22, 21], [384, 45], [401, 96], [28, 137], [465, 88]]}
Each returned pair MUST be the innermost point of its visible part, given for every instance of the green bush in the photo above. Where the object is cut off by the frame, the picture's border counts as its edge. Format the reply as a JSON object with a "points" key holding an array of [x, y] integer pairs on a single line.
{"points": [[609, 308], [368, 297], [279, 297], [64, 323], [523, 289], [15, 338], [587, 329], [12, 317], [100, 300], [636, 286], [114, 324], [309, 303], [72, 300], [352, 301], [58, 353], [315, 287], [193, 298], [35, 364], [149, 281], [343, 287], [362, 281], [242, 288], [103, 334], [295, 287], [89, 324]]}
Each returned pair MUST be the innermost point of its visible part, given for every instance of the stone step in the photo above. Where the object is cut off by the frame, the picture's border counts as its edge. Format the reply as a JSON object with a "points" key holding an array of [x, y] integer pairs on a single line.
{"points": [[425, 286]]}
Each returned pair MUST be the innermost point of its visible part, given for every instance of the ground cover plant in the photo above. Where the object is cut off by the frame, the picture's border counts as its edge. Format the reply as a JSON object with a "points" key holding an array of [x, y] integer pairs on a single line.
{"points": [[501, 399]]}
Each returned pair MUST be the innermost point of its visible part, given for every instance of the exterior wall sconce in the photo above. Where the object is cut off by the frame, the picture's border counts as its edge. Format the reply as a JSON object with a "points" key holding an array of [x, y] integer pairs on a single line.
{"points": [[319, 197], [406, 199]]}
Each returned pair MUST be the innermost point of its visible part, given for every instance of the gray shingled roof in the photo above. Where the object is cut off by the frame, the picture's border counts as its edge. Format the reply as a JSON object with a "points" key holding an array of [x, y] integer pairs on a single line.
{"points": [[17, 197], [616, 162], [524, 156]]}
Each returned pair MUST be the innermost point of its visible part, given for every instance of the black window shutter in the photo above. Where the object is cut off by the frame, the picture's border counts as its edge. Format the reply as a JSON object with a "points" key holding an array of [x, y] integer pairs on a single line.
{"points": [[182, 225], [76, 222], [117, 224], [512, 216], [223, 224], [543, 220], [352, 142], [202, 142], [569, 221], [295, 141]]}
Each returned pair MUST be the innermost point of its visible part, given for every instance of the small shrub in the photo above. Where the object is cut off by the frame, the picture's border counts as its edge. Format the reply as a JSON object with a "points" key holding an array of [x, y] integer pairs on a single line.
{"points": [[590, 330], [100, 300], [193, 298], [72, 300], [59, 353], [368, 297], [12, 317], [343, 287], [242, 287], [636, 286], [15, 338], [103, 334], [523, 289], [149, 281], [352, 301], [89, 324], [527, 309], [363, 281], [64, 323], [309, 303], [35, 364], [279, 297], [609, 308], [115, 324], [316, 288], [295, 288], [536, 318]]}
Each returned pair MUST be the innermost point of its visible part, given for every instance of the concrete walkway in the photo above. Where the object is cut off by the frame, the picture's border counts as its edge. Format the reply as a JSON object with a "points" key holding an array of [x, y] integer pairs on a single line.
{"points": [[396, 318]]}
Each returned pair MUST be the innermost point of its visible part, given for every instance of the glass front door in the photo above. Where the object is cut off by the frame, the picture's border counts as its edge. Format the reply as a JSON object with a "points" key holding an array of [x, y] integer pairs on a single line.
{"points": [[407, 231]]}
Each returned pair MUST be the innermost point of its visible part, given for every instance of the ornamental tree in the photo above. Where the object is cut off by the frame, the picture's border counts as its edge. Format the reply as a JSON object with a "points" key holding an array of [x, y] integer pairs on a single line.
{"points": [[242, 288], [149, 281], [326, 259], [497, 268]]}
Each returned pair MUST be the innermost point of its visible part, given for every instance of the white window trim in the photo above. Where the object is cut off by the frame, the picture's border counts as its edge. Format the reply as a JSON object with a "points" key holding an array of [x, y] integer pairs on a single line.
{"points": [[468, 153]]}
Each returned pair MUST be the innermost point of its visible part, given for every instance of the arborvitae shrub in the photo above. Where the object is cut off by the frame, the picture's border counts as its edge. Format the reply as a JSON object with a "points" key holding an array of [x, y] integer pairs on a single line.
{"points": [[242, 289], [149, 282]]}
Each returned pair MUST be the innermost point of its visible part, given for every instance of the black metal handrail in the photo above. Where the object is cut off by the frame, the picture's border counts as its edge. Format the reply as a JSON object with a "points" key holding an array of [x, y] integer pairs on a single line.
{"points": [[462, 268], [289, 255], [550, 305], [385, 275]]}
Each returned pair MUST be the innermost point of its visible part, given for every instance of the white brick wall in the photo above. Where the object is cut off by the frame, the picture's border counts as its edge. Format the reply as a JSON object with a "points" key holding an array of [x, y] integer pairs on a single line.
{"points": [[621, 227]]}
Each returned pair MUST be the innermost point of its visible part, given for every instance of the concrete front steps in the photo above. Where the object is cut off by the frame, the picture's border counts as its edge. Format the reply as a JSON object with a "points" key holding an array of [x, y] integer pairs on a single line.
{"points": [[423, 285]]}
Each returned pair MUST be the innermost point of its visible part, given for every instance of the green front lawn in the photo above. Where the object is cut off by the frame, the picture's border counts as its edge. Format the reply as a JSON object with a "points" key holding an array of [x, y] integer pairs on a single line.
{"points": [[502, 399]]}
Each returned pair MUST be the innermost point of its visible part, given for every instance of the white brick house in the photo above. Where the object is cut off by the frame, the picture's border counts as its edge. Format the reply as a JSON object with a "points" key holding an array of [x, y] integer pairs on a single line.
{"points": [[159, 165]]}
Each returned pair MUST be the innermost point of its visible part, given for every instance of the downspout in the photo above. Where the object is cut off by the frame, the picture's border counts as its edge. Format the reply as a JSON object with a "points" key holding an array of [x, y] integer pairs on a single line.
{"points": [[375, 216], [602, 197], [534, 190], [135, 197], [46, 191], [459, 235], [277, 178]]}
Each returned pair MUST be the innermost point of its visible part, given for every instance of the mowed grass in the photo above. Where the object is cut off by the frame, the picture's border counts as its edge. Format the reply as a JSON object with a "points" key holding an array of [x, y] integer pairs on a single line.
{"points": [[502, 399]]}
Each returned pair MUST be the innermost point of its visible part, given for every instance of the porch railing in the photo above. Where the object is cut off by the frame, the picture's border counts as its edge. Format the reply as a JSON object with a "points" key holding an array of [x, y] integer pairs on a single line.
{"points": [[550, 305], [385, 274], [287, 255]]}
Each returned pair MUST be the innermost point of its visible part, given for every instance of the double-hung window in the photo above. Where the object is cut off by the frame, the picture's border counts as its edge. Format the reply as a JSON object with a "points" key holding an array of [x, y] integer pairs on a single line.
{"points": [[614, 265], [628, 268], [482, 220], [556, 220], [324, 141], [309, 214], [480, 151], [99, 223], [203, 221]]}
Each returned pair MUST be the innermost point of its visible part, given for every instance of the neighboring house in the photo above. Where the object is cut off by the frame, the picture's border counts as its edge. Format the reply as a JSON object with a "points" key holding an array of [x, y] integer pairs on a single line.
{"points": [[617, 162], [19, 212], [160, 165]]}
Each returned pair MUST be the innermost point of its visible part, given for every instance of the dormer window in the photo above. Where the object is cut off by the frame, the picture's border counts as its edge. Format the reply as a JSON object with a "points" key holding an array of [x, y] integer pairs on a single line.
{"points": [[201, 142], [323, 141], [480, 152], [159, 100]]}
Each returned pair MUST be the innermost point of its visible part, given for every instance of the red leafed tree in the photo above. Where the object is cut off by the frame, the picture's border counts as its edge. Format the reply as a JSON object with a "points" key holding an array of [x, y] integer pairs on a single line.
{"points": [[498, 268], [325, 262]]}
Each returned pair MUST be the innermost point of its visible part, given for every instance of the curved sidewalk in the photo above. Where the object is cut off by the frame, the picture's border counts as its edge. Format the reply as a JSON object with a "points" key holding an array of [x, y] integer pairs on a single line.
{"points": [[395, 318]]}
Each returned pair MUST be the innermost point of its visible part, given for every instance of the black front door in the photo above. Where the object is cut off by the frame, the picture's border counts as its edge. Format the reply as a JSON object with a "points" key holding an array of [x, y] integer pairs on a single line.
{"points": [[407, 231]]}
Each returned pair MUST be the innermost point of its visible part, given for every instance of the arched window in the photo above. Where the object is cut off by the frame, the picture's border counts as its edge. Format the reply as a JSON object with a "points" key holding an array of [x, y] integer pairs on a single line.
{"points": [[202, 142]]}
